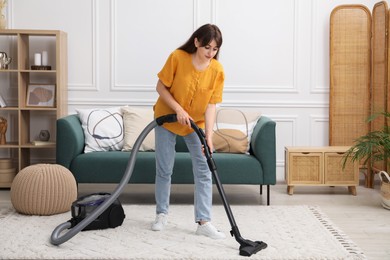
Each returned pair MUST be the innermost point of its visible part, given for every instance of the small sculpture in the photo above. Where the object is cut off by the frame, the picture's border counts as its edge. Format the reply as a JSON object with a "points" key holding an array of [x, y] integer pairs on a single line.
{"points": [[3, 130], [44, 135], [4, 60]]}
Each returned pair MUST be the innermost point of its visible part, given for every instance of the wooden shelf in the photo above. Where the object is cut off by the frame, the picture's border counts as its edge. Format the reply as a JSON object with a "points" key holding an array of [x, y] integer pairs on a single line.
{"points": [[9, 145], [23, 45]]}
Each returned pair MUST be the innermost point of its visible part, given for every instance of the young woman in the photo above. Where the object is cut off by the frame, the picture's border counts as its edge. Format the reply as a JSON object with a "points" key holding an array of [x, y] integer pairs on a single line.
{"points": [[190, 84]]}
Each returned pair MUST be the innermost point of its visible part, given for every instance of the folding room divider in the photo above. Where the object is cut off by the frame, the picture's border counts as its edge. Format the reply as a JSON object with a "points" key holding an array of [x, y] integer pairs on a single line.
{"points": [[358, 74]]}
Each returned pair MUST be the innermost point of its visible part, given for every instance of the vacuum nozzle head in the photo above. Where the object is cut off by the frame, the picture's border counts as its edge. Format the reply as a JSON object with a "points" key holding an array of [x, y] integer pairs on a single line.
{"points": [[249, 247]]}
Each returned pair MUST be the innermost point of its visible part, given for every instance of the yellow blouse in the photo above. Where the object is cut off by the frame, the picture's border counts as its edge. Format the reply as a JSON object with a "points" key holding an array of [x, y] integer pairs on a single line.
{"points": [[191, 88]]}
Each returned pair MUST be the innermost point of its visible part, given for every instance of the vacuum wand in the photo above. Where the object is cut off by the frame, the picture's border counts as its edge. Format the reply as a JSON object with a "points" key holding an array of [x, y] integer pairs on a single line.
{"points": [[247, 247]]}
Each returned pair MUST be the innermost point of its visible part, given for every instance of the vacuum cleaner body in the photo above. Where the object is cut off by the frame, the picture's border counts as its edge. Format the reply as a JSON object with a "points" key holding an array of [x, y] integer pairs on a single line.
{"points": [[112, 217]]}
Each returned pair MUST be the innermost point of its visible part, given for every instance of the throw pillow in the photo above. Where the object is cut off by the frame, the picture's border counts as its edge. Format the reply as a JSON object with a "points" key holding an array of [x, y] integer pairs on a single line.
{"points": [[233, 130], [103, 129], [134, 121]]}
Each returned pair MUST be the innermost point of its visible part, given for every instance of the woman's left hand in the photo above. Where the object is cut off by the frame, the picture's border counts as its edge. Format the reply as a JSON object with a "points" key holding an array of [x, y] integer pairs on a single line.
{"points": [[209, 142]]}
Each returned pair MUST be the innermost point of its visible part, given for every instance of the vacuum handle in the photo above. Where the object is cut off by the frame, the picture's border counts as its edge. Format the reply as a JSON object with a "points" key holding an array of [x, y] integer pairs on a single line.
{"points": [[170, 118]]}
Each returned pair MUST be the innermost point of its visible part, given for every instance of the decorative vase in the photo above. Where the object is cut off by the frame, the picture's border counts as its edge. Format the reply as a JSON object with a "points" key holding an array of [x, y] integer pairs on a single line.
{"points": [[3, 22], [385, 189]]}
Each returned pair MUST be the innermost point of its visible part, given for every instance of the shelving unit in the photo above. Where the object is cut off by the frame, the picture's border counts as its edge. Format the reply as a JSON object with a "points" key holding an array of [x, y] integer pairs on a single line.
{"points": [[22, 118]]}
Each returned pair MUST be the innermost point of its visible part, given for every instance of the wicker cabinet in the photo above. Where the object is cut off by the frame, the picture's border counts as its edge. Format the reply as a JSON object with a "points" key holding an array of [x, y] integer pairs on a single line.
{"points": [[319, 166], [35, 96]]}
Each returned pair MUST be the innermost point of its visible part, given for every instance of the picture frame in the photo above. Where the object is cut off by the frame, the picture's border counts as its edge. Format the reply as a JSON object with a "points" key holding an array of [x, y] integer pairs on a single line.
{"points": [[40, 95]]}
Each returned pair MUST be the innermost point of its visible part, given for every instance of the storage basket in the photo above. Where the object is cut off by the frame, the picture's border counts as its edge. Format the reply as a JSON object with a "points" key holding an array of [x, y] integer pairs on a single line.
{"points": [[385, 189]]}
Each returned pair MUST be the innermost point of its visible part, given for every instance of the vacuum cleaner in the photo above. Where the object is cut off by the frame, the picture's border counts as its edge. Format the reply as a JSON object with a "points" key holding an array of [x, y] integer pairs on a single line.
{"points": [[103, 210]]}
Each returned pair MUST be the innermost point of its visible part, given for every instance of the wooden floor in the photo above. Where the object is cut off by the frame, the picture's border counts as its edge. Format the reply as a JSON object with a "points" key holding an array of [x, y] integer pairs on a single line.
{"points": [[361, 217]]}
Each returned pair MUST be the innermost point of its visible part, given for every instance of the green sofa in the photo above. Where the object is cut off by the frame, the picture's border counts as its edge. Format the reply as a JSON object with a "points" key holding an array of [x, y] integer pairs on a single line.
{"points": [[257, 168]]}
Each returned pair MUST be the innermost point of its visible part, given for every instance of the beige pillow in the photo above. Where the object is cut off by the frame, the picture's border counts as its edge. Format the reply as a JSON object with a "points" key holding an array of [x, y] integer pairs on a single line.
{"points": [[230, 141], [233, 130], [134, 121]]}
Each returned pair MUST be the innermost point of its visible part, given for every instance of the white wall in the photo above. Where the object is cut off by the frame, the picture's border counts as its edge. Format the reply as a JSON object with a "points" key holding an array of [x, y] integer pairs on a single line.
{"points": [[275, 53]]}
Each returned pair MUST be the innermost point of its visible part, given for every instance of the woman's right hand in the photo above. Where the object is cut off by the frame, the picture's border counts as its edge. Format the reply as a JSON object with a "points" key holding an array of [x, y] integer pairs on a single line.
{"points": [[183, 117]]}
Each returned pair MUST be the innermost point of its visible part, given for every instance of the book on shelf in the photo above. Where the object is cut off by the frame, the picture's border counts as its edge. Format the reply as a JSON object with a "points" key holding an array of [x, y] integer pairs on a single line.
{"points": [[2, 102], [42, 143]]}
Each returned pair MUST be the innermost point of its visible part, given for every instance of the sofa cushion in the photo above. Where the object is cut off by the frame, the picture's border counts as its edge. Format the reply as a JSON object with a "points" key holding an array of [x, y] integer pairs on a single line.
{"points": [[233, 130], [111, 166], [231, 168], [134, 122], [103, 129]]}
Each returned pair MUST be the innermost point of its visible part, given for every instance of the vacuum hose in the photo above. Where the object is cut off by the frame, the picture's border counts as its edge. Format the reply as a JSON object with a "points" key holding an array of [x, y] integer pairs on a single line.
{"points": [[57, 238], [247, 247]]}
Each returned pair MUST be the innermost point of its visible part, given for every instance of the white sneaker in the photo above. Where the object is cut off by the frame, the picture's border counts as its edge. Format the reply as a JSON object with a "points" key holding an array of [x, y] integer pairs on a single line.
{"points": [[210, 231], [160, 222]]}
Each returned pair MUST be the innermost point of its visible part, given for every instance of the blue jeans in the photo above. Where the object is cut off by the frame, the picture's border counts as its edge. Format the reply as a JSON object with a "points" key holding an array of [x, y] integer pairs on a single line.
{"points": [[165, 158]]}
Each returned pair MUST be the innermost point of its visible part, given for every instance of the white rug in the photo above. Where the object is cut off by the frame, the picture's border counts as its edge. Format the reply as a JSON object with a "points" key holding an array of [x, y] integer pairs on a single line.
{"points": [[291, 232]]}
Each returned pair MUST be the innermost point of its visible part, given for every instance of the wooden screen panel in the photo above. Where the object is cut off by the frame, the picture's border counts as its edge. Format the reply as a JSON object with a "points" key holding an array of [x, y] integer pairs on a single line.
{"points": [[379, 76], [379, 63], [350, 67]]}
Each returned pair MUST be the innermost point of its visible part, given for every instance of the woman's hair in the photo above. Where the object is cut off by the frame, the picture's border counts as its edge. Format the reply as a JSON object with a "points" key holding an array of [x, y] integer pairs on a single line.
{"points": [[205, 34]]}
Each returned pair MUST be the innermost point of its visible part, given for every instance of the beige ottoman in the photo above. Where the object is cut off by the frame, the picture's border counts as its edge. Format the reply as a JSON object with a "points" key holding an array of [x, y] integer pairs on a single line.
{"points": [[43, 189]]}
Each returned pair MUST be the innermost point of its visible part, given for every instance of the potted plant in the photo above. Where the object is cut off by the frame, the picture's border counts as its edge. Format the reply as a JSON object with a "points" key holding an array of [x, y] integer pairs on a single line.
{"points": [[371, 148]]}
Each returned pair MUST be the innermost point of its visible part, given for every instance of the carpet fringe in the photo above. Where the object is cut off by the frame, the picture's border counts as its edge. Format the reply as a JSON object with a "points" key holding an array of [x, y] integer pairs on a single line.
{"points": [[345, 241]]}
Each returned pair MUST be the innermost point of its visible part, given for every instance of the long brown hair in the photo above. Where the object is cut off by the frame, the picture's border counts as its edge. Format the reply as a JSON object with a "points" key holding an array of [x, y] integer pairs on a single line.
{"points": [[205, 34]]}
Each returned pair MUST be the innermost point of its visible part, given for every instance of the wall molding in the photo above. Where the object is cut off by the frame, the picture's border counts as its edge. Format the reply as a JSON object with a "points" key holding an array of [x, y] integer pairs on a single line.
{"points": [[94, 85], [316, 120], [292, 121], [260, 89], [114, 86], [93, 102], [195, 19], [314, 50], [293, 88], [243, 89], [227, 103], [275, 104], [214, 11]]}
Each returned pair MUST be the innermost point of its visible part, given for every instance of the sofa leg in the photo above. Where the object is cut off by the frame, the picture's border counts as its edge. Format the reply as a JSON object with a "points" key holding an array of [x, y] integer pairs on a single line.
{"points": [[268, 195]]}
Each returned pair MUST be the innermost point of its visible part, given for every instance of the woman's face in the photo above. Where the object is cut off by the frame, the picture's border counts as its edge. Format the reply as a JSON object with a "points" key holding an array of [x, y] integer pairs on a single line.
{"points": [[206, 52]]}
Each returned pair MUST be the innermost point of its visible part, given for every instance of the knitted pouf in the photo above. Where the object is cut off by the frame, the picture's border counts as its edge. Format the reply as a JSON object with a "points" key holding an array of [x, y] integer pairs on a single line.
{"points": [[43, 189]]}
